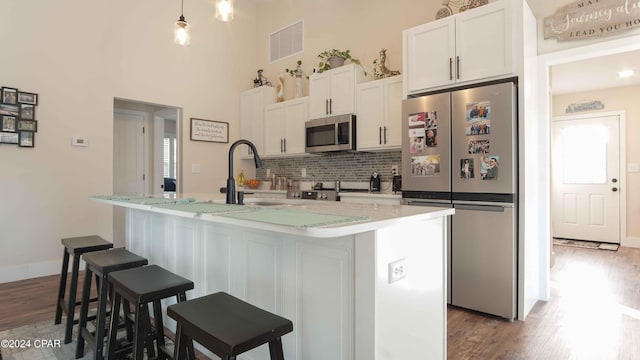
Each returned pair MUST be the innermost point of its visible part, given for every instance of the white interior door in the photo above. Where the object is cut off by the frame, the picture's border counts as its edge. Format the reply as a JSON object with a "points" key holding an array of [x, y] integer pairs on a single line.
{"points": [[585, 178], [128, 152]]}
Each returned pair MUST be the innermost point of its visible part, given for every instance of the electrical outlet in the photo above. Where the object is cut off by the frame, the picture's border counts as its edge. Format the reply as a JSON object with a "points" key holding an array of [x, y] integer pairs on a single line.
{"points": [[303, 172], [394, 169], [397, 270], [268, 172]]}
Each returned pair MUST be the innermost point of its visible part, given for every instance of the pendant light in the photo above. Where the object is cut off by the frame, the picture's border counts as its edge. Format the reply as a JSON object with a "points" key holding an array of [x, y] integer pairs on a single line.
{"points": [[224, 10], [181, 33]]}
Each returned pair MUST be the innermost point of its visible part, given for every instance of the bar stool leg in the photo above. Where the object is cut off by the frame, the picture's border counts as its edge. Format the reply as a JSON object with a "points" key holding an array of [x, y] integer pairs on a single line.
{"points": [[63, 286], [159, 324], [113, 327], [71, 305], [275, 349], [84, 310], [142, 318], [101, 318]]}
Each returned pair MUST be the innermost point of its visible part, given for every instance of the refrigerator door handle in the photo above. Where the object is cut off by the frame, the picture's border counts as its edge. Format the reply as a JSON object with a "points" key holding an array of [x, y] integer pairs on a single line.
{"points": [[480, 208], [428, 202]]}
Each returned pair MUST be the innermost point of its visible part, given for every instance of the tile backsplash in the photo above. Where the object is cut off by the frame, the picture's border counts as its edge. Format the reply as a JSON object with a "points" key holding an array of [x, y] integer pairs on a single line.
{"points": [[343, 166]]}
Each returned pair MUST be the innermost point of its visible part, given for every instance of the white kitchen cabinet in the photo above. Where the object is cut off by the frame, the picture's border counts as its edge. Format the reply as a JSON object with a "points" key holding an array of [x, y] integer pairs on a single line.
{"points": [[378, 114], [472, 45], [333, 92], [284, 127], [252, 105]]}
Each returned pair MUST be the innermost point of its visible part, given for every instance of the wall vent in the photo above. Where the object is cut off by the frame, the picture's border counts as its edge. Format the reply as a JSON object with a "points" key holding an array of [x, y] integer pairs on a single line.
{"points": [[286, 41]]}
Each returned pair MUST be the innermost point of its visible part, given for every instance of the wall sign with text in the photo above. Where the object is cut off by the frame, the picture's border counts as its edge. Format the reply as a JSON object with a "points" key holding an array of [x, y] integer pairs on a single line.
{"points": [[209, 130], [587, 19]]}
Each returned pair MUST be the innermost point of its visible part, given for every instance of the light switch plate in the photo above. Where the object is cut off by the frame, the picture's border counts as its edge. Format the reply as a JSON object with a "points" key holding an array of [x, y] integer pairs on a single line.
{"points": [[195, 168], [79, 141], [633, 167]]}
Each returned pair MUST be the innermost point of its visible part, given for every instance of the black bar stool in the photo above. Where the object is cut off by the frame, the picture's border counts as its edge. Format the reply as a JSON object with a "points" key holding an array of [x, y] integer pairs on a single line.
{"points": [[141, 287], [227, 326], [75, 246], [101, 263]]}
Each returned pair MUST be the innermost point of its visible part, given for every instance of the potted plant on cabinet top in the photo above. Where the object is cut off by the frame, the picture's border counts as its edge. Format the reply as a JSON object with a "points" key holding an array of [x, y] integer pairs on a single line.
{"points": [[297, 72], [331, 59]]}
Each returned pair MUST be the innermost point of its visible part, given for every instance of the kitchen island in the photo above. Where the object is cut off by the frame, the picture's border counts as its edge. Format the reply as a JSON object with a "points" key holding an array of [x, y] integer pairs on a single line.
{"points": [[359, 281]]}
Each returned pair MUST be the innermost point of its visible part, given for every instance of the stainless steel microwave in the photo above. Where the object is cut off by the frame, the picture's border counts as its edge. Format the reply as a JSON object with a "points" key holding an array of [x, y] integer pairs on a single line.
{"points": [[334, 133]]}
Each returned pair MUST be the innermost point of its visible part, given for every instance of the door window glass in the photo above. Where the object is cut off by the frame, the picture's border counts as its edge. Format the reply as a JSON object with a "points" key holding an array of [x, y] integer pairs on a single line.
{"points": [[584, 154]]}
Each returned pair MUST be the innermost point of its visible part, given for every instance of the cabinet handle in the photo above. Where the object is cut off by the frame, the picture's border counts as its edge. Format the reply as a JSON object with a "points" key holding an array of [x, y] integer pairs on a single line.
{"points": [[450, 69], [379, 134], [458, 67], [385, 134], [330, 106], [285, 145], [326, 107]]}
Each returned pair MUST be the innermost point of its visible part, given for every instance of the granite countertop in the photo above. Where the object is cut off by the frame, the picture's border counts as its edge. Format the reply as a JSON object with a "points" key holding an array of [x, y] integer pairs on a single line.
{"points": [[296, 217]]}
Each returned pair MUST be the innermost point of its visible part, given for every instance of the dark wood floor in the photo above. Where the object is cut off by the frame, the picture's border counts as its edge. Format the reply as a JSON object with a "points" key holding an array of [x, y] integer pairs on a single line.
{"points": [[594, 312]]}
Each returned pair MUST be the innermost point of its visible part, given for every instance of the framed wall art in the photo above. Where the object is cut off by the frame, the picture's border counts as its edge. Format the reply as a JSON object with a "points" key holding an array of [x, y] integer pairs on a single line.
{"points": [[9, 95], [27, 125], [9, 123], [27, 98], [26, 139], [18, 123], [209, 130]]}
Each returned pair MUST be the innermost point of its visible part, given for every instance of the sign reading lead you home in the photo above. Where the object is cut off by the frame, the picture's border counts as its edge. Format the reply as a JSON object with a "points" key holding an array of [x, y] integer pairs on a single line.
{"points": [[592, 18]]}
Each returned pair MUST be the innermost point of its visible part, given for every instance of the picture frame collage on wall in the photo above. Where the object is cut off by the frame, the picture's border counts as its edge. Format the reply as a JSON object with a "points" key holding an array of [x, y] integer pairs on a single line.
{"points": [[18, 123]]}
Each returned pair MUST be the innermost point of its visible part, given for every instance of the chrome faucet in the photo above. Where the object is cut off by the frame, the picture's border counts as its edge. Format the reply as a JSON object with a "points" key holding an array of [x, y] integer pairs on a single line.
{"points": [[231, 182]]}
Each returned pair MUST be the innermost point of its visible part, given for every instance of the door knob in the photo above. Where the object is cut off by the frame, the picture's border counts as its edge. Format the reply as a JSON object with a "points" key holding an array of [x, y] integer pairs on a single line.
{"points": [[614, 189], [614, 180]]}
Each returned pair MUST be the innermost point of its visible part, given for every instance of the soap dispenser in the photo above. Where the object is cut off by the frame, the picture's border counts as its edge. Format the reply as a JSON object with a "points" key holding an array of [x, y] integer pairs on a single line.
{"points": [[241, 178]]}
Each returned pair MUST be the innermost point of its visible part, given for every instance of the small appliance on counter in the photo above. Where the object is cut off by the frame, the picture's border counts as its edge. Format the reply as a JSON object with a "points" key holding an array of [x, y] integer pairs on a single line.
{"points": [[397, 183], [374, 182]]}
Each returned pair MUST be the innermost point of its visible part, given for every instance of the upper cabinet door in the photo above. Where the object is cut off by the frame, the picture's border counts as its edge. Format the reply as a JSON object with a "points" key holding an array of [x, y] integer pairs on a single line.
{"points": [[483, 42], [469, 46], [297, 111], [343, 90], [334, 91], [319, 93], [430, 54]]}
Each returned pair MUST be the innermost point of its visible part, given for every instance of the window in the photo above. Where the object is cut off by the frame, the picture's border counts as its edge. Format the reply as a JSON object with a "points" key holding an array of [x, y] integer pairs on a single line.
{"points": [[170, 157], [286, 42]]}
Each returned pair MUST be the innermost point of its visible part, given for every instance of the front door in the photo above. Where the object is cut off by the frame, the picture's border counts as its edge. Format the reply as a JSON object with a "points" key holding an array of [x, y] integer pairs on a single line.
{"points": [[585, 187]]}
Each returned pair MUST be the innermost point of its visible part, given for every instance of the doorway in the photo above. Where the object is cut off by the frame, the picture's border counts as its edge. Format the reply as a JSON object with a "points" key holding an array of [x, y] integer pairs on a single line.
{"points": [[146, 151], [585, 177]]}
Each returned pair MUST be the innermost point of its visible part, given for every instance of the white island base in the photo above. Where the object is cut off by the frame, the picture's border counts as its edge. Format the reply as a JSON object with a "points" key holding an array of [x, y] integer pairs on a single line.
{"points": [[332, 282]]}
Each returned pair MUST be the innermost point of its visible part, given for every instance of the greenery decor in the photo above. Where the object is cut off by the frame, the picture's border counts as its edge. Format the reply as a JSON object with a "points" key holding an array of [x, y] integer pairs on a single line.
{"points": [[298, 72], [325, 55]]}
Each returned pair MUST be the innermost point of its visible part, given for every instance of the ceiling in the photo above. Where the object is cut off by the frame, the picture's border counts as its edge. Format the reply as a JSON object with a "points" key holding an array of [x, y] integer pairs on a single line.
{"points": [[589, 74]]}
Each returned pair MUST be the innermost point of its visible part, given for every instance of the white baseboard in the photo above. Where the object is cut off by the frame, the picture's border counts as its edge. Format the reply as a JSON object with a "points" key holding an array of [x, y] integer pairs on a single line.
{"points": [[34, 270], [28, 271], [633, 242]]}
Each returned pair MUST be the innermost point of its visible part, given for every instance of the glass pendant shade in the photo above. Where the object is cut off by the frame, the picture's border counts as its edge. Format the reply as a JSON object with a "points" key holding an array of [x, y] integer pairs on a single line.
{"points": [[224, 10], [181, 33]]}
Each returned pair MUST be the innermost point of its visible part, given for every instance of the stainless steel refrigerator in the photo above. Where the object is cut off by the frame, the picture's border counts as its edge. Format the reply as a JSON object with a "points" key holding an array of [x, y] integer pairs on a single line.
{"points": [[460, 150]]}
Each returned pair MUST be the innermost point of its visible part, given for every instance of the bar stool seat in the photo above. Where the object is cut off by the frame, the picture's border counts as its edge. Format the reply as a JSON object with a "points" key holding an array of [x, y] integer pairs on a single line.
{"points": [[142, 286], [227, 326], [101, 263], [75, 247]]}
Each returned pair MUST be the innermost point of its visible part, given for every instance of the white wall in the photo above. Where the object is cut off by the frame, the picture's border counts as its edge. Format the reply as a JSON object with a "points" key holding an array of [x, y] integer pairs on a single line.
{"points": [[80, 55]]}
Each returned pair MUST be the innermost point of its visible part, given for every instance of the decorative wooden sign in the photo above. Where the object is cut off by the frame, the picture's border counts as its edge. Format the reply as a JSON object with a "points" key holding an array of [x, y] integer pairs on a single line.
{"points": [[592, 18], [585, 106]]}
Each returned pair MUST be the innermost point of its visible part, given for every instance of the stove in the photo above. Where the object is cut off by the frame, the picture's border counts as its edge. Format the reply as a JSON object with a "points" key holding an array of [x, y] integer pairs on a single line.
{"points": [[324, 194]]}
